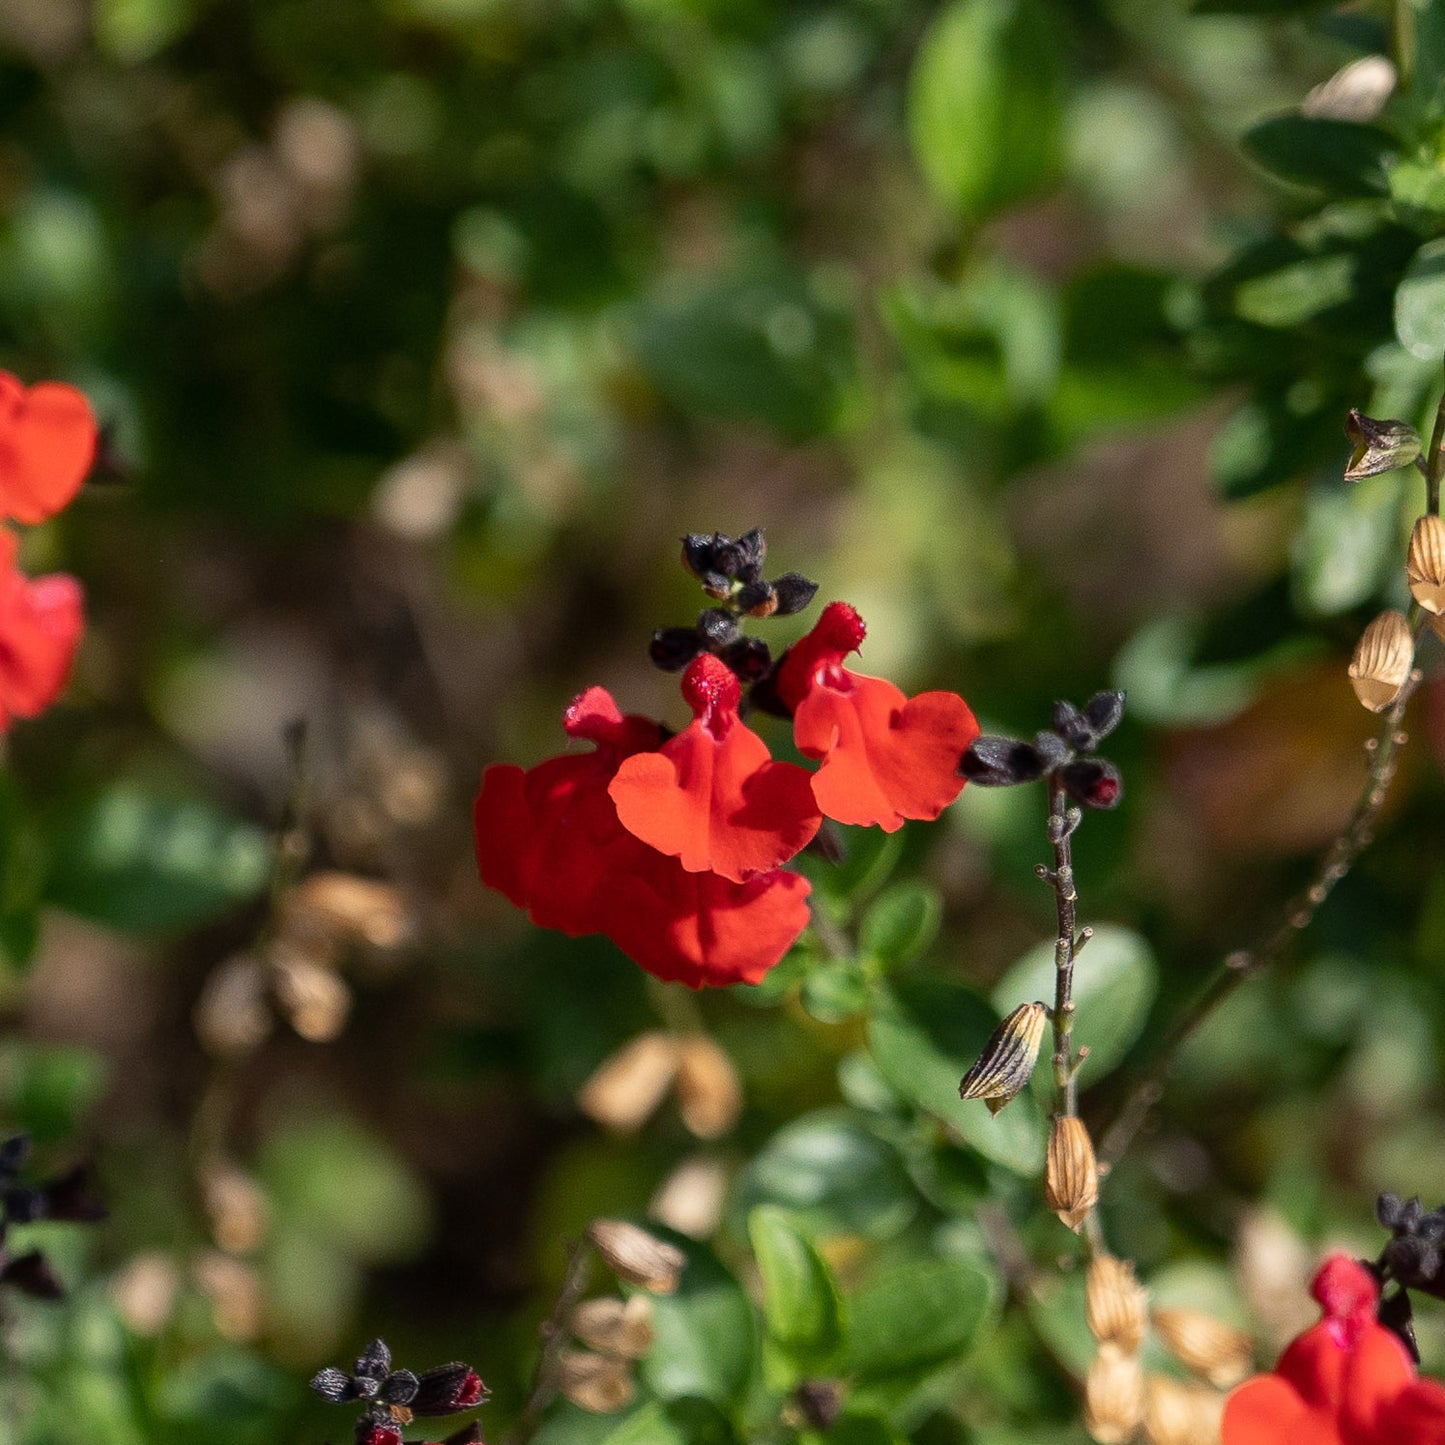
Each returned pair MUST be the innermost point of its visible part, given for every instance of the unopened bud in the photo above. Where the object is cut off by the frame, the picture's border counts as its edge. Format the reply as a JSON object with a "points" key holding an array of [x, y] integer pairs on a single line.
{"points": [[594, 1382], [672, 648], [1116, 1304], [749, 657], [1113, 1396], [1092, 782], [622, 1329], [627, 1088], [998, 762], [758, 599], [1211, 1349], [448, 1389], [1378, 446], [1071, 1174], [709, 1095], [1425, 564], [636, 1256], [1383, 658], [716, 627], [819, 1403], [1008, 1058], [1179, 1414], [794, 592]]}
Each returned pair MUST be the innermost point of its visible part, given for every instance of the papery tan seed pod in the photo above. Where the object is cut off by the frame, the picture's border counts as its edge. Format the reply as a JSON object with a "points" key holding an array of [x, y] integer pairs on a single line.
{"points": [[1180, 1414], [234, 1291], [619, 1328], [594, 1382], [1383, 658], [1208, 1347], [365, 910], [1425, 563], [624, 1092], [316, 1001], [239, 1210], [1071, 1173], [233, 1015], [1113, 1396], [145, 1292], [709, 1095], [1116, 1304], [1008, 1058], [636, 1256], [692, 1198]]}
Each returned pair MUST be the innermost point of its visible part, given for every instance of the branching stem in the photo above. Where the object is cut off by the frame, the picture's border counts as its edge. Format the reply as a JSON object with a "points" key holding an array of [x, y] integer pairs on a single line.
{"points": [[547, 1380]]}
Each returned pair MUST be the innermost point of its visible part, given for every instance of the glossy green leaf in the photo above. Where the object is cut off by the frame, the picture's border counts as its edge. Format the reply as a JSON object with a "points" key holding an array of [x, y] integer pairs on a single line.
{"points": [[1420, 303], [1338, 156], [141, 860], [901, 923], [983, 103], [833, 1176], [801, 1308], [1115, 980], [915, 1316], [924, 1037]]}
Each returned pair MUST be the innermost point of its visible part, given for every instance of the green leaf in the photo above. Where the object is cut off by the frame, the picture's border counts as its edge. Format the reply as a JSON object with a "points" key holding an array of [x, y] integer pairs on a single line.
{"points": [[924, 1037], [1420, 303], [901, 923], [833, 1176], [983, 104], [679, 1422], [142, 860], [1339, 156], [869, 856], [801, 1308], [913, 1316], [853, 1429], [706, 1337], [1115, 980], [835, 991]]}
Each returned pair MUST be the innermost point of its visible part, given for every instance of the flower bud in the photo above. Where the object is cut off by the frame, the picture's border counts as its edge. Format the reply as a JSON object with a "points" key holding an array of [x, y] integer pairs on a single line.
{"points": [[448, 1389], [1425, 564], [1116, 1304], [374, 1432], [999, 762], [1008, 1058], [1383, 658], [634, 1255], [1113, 1396], [1074, 727], [626, 1089], [614, 1327], [716, 627], [749, 657], [819, 1403], [1208, 1347], [794, 592], [1178, 1414], [709, 1095], [1378, 446], [758, 599], [1092, 782], [594, 1382], [1103, 712], [672, 648], [1071, 1174]]}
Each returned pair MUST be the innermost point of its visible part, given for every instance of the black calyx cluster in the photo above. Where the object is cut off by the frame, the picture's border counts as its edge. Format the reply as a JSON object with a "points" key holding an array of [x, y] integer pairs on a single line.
{"points": [[1413, 1258], [394, 1397], [65, 1198], [731, 572], [1063, 753]]}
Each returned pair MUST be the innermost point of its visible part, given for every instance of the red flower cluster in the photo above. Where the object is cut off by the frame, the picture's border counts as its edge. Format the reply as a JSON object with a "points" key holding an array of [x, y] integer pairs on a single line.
{"points": [[48, 442], [673, 846], [1346, 1381]]}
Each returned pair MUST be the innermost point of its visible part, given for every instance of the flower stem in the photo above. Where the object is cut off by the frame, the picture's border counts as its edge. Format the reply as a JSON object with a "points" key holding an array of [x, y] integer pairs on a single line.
{"points": [[554, 1340]]}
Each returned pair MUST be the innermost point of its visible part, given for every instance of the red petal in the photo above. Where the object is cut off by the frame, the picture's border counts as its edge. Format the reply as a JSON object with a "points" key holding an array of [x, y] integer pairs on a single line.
{"points": [[503, 825], [886, 758], [1267, 1411], [1379, 1370], [702, 930], [47, 445], [40, 627], [1348, 1292], [838, 631], [1416, 1416], [1316, 1366]]}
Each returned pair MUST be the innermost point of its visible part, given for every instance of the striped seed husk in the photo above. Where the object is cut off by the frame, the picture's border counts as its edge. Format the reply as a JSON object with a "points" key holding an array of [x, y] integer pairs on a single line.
{"points": [[1383, 658], [1207, 1347], [1425, 564], [1008, 1058], [1071, 1173], [1114, 1395], [1116, 1304], [1180, 1414]]}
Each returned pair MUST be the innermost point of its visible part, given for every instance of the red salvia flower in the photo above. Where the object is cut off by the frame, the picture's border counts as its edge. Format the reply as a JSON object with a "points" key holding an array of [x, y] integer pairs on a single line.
{"points": [[40, 627], [1346, 1381], [712, 797], [885, 757], [48, 440]]}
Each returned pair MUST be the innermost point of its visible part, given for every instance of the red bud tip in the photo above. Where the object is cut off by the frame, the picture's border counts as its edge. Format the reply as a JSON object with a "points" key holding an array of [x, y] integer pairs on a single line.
{"points": [[709, 686]]}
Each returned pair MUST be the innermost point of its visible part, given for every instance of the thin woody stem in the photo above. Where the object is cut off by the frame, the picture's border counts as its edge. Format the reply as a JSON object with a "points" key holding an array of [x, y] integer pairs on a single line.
{"points": [[547, 1380], [1296, 915], [1435, 464]]}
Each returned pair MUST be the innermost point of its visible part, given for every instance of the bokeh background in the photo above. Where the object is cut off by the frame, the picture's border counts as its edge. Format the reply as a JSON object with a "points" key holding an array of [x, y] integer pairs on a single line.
{"points": [[422, 329]]}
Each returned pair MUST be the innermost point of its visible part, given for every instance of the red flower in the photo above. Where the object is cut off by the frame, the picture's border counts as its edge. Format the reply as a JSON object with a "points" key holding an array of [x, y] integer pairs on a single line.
{"points": [[712, 796], [40, 627], [885, 757], [1346, 1381], [47, 445], [551, 841]]}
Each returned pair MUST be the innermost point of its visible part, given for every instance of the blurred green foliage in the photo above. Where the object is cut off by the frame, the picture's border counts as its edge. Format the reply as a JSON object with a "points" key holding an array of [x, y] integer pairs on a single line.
{"points": [[420, 330]]}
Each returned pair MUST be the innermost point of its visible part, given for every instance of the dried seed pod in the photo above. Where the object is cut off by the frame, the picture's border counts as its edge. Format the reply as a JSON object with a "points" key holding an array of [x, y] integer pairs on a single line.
{"points": [[232, 1016], [239, 1210], [1008, 1058], [234, 1292], [594, 1382], [692, 1198], [1211, 1349], [1382, 661], [634, 1255], [1071, 1174], [626, 1089], [1378, 445], [1179, 1414], [1425, 564], [709, 1095], [1116, 1304], [621, 1329], [1113, 1395], [366, 910], [316, 1001]]}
